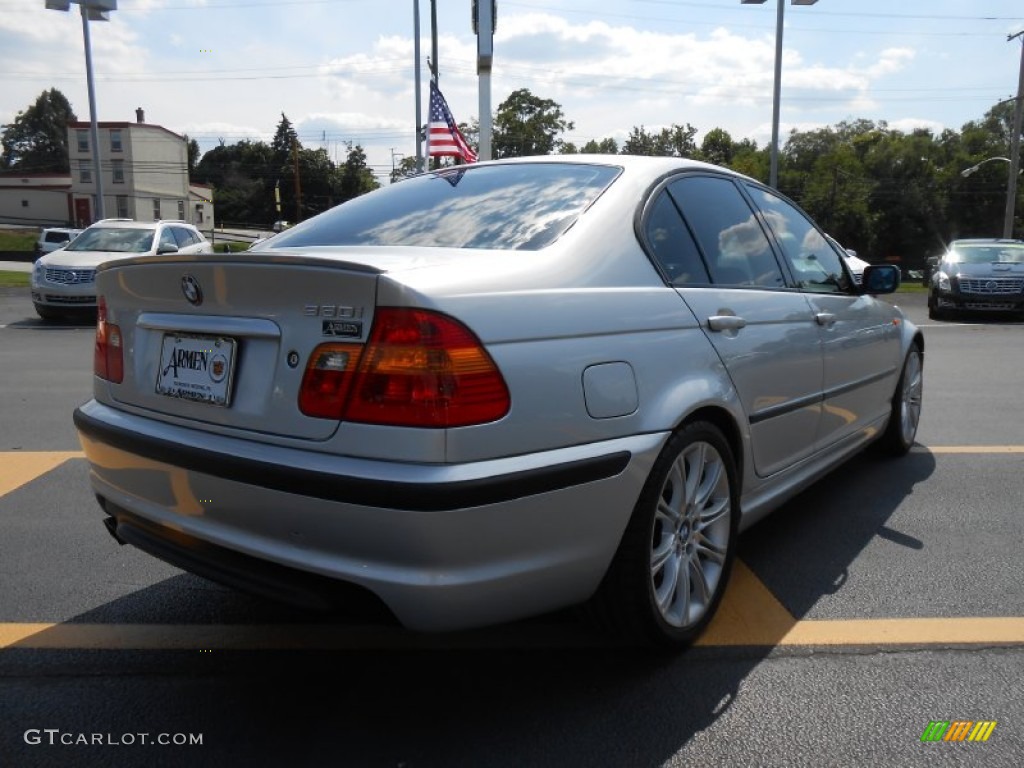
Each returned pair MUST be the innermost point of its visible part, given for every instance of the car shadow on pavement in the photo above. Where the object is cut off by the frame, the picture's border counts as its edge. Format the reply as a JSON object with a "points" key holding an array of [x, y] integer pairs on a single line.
{"points": [[542, 692]]}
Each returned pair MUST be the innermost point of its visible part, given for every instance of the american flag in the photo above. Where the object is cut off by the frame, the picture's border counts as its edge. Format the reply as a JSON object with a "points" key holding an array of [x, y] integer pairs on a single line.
{"points": [[446, 140]]}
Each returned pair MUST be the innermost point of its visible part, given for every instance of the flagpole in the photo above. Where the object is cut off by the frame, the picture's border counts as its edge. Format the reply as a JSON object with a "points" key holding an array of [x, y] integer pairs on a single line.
{"points": [[419, 89]]}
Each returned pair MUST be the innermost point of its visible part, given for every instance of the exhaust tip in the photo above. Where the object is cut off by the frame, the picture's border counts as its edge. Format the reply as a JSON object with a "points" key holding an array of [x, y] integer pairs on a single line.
{"points": [[111, 524]]}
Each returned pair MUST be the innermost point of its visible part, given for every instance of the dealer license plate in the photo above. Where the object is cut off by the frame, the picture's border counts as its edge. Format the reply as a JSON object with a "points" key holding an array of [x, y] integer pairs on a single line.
{"points": [[197, 368]]}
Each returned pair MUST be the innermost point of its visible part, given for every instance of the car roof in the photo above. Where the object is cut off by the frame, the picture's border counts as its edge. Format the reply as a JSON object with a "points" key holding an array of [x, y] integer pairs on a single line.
{"points": [[985, 241], [133, 224]]}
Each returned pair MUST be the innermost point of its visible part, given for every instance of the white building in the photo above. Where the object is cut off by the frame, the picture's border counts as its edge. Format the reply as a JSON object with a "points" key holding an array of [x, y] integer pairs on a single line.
{"points": [[145, 177]]}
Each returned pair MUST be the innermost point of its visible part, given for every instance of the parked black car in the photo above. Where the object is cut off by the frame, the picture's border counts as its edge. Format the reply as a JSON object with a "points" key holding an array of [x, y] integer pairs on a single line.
{"points": [[984, 275]]}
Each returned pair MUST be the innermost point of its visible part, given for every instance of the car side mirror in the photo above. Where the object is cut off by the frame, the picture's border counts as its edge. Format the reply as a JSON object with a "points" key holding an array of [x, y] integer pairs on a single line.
{"points": [[167, 249], [880, 278]]}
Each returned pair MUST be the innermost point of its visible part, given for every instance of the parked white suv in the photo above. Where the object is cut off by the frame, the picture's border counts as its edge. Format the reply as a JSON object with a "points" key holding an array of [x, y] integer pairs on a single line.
{"points": [[64, 281], [52, 238]]}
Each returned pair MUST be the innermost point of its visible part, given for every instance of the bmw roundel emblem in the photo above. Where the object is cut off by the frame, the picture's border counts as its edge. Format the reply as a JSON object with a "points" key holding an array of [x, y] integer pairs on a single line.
{"points": [[193, 292]]}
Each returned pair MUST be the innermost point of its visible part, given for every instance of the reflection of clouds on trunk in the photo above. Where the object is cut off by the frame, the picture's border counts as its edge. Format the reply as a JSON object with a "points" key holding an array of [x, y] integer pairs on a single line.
{"points": [[523, 216]]}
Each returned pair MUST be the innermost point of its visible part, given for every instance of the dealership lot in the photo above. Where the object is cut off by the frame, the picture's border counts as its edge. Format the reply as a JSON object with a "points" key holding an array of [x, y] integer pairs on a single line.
{"points": [[885, 597]]}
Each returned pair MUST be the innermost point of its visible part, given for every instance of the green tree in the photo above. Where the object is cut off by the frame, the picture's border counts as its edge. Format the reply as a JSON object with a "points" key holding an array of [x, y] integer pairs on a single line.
{"points": [[528, 125], [406, 167], [602, 147], [674, 141], [717, 147], [193, 154], [356, 176], [37, 140]]}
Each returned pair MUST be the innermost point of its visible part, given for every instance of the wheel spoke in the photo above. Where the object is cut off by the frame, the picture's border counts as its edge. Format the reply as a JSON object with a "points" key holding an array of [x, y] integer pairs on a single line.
{"points": [[713, 472], [665, 592], [710, 549], [714, 513], [661, 554], [701, 591], [694, 465]]}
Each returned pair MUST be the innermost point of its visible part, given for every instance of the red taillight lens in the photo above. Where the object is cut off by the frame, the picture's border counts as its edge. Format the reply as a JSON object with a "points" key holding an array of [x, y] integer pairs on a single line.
{"points": [[424, 369], [419, 369], [108, 352], [326, 381]]}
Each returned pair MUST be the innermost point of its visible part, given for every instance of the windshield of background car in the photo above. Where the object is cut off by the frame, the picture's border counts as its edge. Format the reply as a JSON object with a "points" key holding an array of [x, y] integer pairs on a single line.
{"points": [[507, 207], [113, 239], [1007, 253]]}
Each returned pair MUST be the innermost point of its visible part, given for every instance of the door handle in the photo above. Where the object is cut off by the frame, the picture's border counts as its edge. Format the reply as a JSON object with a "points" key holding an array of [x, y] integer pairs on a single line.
{"points": [[726, 323], [825, 318]]}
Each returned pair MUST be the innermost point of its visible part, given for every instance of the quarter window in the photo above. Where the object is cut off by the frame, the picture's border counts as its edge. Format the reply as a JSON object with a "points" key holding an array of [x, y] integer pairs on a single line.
{"points": [[672, 244], [736, 249], [815, 265]]}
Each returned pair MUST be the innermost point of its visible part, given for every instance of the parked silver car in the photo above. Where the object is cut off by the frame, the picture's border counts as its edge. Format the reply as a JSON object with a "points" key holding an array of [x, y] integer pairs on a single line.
{"points": [[495, 390], [977, 275]]}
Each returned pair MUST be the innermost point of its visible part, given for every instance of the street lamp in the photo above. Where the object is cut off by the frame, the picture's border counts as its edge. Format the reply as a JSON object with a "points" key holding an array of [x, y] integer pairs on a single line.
{"points": [[974, 168], [773, 173], [92, 10]]}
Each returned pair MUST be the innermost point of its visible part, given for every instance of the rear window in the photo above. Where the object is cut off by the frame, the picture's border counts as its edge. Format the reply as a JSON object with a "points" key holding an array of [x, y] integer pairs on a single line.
{"points": [[56, 237], [507, 207]]}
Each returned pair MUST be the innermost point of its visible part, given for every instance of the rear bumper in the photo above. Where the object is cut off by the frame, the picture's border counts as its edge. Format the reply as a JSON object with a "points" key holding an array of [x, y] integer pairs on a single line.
{"points": [[443, 546]]}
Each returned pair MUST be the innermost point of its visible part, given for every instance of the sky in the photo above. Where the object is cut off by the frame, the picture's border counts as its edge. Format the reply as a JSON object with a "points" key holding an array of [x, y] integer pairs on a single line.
{"points": [[343, 70]]}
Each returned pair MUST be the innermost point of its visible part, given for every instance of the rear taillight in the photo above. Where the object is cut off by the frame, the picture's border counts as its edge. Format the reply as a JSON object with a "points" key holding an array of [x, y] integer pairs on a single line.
{"points": [[418, 369], [108, 352], [327, 380]]}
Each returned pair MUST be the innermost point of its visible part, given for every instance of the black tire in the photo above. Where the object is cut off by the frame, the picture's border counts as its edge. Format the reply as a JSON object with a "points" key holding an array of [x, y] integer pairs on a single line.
{"points": [[905, 415], [641, 601]]}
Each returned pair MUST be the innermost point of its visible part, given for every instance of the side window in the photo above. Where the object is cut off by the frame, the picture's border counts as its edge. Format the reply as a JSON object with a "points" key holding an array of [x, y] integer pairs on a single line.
{"points": [[816, 265], [167, 239], [672, 244], [735, 247], [183, 236]]}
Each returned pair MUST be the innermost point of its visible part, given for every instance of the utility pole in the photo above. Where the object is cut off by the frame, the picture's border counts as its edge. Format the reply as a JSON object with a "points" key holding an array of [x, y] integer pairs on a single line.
{"points": [[298, 186], [1011, 186], [484, 12]]}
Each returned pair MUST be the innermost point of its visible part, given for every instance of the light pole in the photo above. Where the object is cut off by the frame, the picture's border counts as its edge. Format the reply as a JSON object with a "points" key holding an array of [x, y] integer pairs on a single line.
{"points": [[773, 173], [1011, 187], [92, 10]]}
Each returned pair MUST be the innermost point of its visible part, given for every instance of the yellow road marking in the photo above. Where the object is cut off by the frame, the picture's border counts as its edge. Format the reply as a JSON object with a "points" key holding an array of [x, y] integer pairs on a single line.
{"points": [[968, 449], [20, 467], [750, 615]]}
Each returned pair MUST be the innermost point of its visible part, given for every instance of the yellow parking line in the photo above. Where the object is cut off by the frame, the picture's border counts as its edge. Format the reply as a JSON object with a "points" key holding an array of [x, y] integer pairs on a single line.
{"points": [[750, 615], [968, 449], [20, 467]]}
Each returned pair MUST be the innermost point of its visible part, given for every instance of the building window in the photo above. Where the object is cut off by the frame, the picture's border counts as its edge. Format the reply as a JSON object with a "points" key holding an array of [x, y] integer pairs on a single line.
{"points": [[181, 210], [24, 203], [156, 209], [122, 207], [83, 140], [84, 172], [115, 140], [199, 215], [118, 166]]}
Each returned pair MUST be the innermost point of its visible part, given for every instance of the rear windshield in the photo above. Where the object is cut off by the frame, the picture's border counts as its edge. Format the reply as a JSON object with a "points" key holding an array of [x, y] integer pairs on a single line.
{"points": [[118, 240], [507, 207], [56, 237]]}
